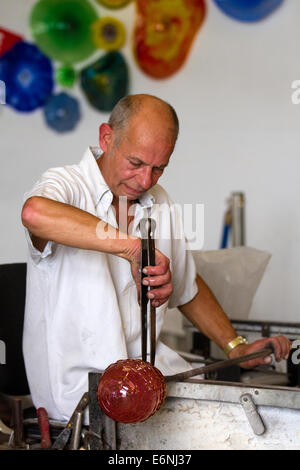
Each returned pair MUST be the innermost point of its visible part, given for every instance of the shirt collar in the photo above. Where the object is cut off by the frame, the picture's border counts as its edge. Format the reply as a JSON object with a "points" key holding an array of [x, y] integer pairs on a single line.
{"points": [[100, 189]]}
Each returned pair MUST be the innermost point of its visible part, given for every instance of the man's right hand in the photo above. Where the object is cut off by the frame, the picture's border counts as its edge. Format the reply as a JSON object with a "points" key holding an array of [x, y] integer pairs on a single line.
{"points": [[52, 220], [158, 277]]}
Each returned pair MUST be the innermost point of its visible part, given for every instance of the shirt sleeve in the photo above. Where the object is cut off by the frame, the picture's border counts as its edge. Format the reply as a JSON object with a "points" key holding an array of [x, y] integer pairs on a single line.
{"points": [[182, 265], [54, 185]]}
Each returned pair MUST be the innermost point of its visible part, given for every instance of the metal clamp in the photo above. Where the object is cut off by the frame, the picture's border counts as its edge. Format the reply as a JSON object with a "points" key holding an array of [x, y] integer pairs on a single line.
{"points": [[147, 228], [252, 414]]}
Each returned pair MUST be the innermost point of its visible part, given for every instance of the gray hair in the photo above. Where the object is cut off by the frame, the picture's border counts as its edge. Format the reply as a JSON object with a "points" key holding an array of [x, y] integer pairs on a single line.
{"points": [[129, 106]]}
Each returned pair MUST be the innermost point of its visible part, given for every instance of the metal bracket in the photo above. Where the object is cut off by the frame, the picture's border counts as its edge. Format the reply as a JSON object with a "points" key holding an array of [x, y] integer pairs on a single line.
{"points": [[252, 414]]}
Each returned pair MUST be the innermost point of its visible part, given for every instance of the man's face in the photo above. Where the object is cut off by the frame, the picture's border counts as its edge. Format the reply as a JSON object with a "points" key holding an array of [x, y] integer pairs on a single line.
{"points": [[135, 162]]}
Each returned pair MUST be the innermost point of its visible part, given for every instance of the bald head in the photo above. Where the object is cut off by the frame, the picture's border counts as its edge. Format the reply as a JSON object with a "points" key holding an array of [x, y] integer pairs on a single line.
{"points": [[149, 107]]}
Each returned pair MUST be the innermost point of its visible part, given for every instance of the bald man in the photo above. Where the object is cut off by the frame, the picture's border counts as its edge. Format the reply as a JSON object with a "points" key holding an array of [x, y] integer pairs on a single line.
{"points": [[82, 227]]}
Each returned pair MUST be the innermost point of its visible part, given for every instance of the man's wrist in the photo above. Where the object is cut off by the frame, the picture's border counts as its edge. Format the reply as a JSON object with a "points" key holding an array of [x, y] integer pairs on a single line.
{"points": [[130, 248], [234, 343]]}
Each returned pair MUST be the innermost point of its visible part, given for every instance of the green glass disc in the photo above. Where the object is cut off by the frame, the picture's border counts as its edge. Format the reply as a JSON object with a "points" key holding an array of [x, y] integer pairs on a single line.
{"points": [[65, 76], [62, 29]]}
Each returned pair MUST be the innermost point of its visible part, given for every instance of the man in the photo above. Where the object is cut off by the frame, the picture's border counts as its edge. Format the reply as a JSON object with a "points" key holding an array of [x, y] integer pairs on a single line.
{"points": [[82, 221]]}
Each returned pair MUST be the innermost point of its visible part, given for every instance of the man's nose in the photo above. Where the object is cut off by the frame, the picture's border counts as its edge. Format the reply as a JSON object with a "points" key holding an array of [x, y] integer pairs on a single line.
{"points": [[145, 178]]}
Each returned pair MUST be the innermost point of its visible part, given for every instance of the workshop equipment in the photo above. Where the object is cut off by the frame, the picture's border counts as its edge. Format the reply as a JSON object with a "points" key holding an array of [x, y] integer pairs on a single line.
{"points": [[132, 390], [43, 423], [205, 415], [17, 420], [234, 221], [64, 436], [147, 228], [181, 376]]}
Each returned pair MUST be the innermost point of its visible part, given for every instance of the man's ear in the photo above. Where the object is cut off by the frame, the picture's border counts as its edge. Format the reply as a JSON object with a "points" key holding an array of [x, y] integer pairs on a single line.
{"points": [[105, 136]]}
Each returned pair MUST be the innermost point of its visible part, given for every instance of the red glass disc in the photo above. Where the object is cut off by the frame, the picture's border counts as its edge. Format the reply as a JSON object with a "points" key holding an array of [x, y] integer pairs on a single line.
{"points": [[131, 390], [8, 40]]}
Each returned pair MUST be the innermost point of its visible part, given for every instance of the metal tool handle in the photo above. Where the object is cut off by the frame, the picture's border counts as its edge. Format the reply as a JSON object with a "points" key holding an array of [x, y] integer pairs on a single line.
{"points": [[43, 423], [64, 436], [218, 365], [147, 228], [17, 418]]}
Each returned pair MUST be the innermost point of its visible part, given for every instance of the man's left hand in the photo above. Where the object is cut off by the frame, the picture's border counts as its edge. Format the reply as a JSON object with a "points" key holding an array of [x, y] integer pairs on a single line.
{"points": [[281, 348]]}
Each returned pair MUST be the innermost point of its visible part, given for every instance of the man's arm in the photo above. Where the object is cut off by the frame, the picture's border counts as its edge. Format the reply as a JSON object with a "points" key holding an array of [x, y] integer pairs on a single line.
{"points": [[207, 315], [62, 223]]}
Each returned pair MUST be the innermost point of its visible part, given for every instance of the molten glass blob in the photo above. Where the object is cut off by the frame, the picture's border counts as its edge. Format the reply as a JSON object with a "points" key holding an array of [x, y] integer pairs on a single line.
{"points": [[131, 390]]}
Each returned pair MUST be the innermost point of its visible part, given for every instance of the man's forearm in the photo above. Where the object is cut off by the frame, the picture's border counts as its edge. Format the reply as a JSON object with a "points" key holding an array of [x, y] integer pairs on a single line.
{"points": [[68, 225], [206, 314]]}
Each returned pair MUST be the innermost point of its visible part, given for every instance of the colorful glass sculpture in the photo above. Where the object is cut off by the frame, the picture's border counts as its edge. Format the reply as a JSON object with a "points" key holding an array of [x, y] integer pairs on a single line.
{"points": [[8, 40], [108, 33], [62, 29], [113, 3], [131, 390], [248, 10], [28, 77], [62, 112], [65, 76], [106, 81], [164, 33]]}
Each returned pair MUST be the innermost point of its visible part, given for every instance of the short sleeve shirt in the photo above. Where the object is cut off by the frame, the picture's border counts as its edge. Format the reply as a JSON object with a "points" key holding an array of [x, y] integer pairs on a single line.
{"points": [[81, 311]]}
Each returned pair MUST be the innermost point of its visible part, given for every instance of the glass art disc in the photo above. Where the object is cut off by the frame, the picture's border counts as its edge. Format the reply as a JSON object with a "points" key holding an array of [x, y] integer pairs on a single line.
{"points": [[164, 32], [113, 3], [28, 77], [108, 33], [105, 82], [62, 29], [8, 40], [65, 76], [62, 112], [248, 10]]}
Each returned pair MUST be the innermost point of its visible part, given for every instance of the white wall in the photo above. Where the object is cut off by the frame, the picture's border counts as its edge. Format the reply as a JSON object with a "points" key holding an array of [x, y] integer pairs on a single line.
{"points": [[239, 131]]}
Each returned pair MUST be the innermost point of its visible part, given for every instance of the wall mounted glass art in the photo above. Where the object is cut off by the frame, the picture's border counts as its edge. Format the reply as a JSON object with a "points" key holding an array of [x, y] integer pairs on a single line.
{"points": [[248, 10], [113, 3], [62, 112], [105, 81], [164, 32], [7, 40], [62, 29], [28, 77], [108, 33], [65, 76]]}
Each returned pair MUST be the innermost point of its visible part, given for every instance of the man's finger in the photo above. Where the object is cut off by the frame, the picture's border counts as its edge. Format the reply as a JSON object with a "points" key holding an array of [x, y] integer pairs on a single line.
{"points": [[157, 280], [162, 293]]}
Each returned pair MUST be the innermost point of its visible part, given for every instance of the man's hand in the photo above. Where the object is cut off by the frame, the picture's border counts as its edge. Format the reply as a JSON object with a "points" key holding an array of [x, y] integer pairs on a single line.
{"points": [[280, 344], [158, 276]]}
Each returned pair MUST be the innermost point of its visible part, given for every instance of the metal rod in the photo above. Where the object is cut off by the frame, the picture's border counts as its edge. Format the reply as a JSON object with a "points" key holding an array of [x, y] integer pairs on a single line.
{"points": [[17, 417], [218, 365], [147, 227], [144, 300], [238, 219], [76, 431], [151, 251]]}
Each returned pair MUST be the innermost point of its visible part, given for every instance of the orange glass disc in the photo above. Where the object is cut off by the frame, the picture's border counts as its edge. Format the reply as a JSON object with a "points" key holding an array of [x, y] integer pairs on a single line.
{"points": [[164, 33], [131, 390]]}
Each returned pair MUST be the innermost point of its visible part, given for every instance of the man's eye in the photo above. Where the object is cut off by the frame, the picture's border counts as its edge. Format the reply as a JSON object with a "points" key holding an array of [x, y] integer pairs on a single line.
{"points": [[135, 164]]}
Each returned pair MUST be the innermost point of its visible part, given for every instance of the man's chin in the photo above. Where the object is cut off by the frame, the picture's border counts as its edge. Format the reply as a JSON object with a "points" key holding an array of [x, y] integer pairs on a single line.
{"points": [[131, 193]]}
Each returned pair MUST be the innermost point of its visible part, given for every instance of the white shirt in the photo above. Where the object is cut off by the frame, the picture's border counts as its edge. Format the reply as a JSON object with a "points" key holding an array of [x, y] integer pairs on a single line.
{"points": [[81, 310]]}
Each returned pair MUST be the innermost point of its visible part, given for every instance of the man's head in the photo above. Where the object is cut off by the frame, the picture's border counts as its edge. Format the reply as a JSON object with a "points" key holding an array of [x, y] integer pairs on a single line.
{"points": [[137, 143]]}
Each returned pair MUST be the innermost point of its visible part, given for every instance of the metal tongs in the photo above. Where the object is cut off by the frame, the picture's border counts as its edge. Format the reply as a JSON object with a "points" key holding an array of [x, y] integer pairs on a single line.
{"points": [[147, 228]]}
